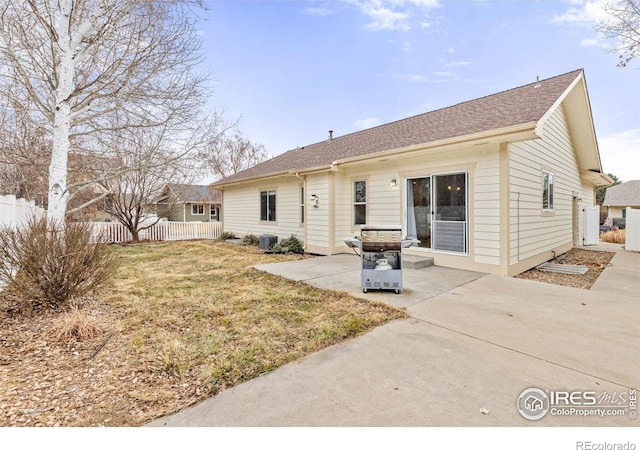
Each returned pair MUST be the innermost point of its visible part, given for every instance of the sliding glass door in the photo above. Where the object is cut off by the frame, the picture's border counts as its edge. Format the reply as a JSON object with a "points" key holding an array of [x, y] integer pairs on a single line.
{"points": [[419, 210], [437, 211]]}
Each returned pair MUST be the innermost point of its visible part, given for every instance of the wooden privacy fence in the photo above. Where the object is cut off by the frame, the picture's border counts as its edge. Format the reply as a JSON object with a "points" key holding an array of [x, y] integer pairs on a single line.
{"points": [[162, 231]]}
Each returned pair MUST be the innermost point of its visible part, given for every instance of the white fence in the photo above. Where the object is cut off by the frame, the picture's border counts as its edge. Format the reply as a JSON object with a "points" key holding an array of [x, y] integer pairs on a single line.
{"points": [[16, 211], [632, 231], [161, 231]]}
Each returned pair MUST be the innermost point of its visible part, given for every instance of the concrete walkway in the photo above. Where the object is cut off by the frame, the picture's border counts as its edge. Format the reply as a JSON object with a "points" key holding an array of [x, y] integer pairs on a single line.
{"points": [[473, 343]]}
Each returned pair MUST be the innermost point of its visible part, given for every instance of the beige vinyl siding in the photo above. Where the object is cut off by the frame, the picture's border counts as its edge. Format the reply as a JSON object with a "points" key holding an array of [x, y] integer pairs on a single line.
{"points": [[615, 212], [534, 231], [317, 220], [386, 204], [485, 232], [383, 201], [241, 208], [343, 210]]}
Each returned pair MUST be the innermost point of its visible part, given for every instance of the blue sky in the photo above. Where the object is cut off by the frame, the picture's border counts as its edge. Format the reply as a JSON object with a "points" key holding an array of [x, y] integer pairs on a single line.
{"points": [[292, 70]]}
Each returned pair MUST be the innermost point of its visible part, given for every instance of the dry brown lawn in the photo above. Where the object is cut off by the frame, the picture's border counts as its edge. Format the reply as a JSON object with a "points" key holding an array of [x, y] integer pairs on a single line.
{"points": [[180, 322]]}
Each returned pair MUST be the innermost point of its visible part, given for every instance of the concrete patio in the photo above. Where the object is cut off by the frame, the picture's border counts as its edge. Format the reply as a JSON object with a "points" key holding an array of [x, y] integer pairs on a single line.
{"points": [[472, 344], [342, 273]]}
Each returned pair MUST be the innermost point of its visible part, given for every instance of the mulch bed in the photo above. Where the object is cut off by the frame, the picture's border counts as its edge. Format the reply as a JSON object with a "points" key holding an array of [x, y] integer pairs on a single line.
{"points": [[595, 261]]}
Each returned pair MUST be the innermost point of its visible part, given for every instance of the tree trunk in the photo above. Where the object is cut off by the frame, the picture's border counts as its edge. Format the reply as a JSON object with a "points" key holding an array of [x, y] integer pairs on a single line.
{"points": [[65, 70]]}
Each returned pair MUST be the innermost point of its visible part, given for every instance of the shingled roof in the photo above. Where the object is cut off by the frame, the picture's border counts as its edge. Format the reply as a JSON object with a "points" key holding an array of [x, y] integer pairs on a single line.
{"points": [[624, 194], [193, 193], [519, 106]]}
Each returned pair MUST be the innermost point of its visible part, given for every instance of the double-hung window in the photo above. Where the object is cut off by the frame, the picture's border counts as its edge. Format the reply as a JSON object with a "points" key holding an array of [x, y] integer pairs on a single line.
{"points": [[360, 202], [268, 206], [547, 190], [197, 209]]}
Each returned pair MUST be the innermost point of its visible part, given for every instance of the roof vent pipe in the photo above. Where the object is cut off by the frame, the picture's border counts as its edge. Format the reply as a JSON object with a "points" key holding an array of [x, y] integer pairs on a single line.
{"points": [[330, 134]]}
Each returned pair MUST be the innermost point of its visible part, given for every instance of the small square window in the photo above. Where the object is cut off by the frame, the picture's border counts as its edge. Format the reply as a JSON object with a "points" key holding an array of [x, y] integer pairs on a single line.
{"points": [[197, 209]]}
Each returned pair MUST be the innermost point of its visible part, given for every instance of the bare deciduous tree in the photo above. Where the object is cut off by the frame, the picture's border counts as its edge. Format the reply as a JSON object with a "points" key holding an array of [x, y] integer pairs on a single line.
{"points": [[622, 23], [142, 163], [92, 68], [24, 153], [230, 153]]}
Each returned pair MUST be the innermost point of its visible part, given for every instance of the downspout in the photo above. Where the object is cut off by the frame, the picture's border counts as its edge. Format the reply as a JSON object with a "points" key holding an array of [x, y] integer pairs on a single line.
{"points": [[518, 229], [306, 216]]}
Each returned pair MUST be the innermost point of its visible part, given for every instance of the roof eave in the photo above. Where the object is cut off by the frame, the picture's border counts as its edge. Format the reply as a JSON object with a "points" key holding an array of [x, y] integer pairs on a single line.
{"points": [[597, 179], [579, 116], [222, 184], [512, 133]]}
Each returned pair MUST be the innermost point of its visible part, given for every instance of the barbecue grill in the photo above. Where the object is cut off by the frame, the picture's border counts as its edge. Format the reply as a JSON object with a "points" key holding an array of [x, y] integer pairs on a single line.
{"points": [[381, 256]]}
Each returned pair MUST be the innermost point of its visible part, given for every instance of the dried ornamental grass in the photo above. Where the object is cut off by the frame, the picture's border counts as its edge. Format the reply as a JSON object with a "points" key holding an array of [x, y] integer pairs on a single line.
{"points": [[614, 236], [75, 325]]}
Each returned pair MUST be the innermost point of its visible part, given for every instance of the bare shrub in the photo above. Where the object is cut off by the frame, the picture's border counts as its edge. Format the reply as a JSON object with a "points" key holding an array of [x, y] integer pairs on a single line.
{"points": [[48, 263], [613, 236], [251, 239]]}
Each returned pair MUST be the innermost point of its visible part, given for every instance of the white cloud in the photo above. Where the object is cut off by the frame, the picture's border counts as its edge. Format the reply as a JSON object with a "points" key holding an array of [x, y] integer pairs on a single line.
{"points": [[319, 11], [588, 12], [438, 77], [386, 19], [369, 122], [398, 15], [620, 154], [590, 42], [410, 77], [457, 64]]}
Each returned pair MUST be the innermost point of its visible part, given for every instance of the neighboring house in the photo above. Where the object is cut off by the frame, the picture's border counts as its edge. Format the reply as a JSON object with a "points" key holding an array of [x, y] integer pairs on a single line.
{"points": [[619, 197], [492, 184], [189, 203]]}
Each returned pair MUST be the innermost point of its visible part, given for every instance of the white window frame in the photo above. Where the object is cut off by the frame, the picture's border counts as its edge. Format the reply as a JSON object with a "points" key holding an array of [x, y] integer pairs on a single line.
{"points": [[193, 212], [268, 218], [548, 192], [213, 211], [355, 203]]}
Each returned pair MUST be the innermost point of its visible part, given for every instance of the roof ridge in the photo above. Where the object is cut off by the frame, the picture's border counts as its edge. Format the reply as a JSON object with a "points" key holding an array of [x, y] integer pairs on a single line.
{"points": [[514, 106], [444, 108]]}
